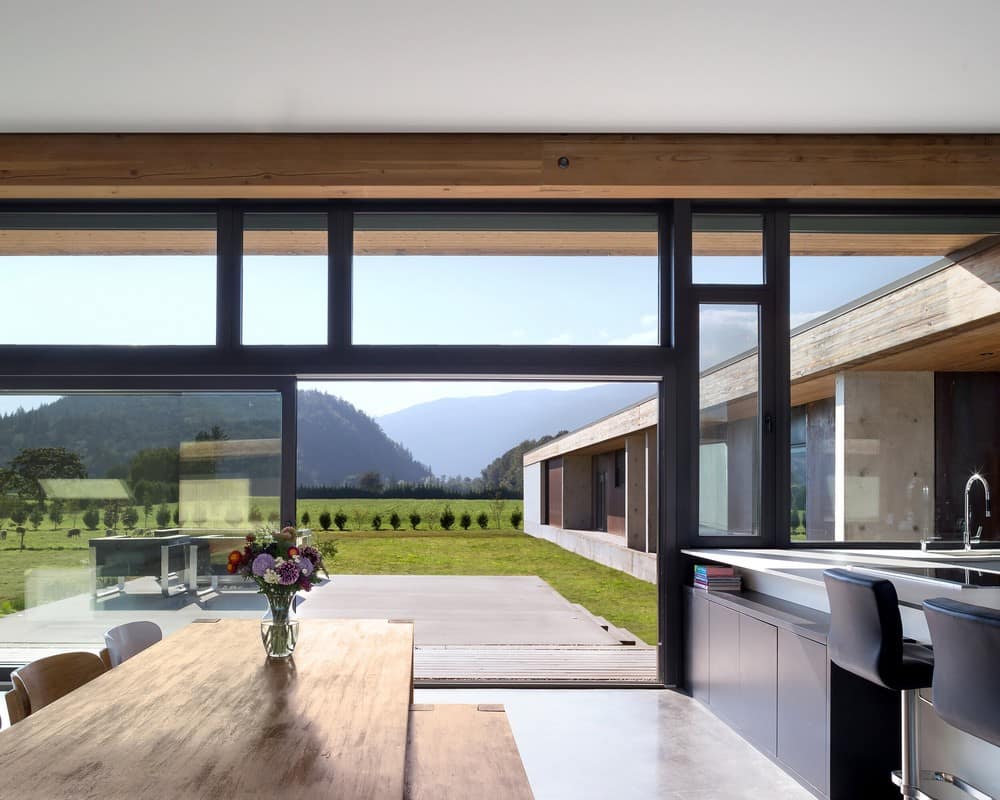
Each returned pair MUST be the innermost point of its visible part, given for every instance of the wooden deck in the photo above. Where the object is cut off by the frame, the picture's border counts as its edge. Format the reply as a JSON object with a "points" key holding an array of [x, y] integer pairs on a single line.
{"points": [[543, 665]]}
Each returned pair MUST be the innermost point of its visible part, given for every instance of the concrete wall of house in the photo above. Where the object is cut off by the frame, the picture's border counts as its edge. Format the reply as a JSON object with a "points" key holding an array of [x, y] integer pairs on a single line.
{"points": [[821, 434], [652, 482], [884, 455], [577, 492], [635, 491], [532, 478], [743, 474]]}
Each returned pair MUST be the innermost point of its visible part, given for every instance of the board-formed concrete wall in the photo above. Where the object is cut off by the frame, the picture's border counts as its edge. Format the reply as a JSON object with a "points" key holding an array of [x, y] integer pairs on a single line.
{"points": [[884, 469]]}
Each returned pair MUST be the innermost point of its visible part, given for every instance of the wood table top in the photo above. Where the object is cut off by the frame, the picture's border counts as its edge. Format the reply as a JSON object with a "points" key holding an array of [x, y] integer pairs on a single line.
{"points": [[204, 714]]}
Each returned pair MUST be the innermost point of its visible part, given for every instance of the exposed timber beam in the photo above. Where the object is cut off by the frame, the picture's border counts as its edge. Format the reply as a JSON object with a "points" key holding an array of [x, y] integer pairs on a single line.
{"points": [[498, 166]]}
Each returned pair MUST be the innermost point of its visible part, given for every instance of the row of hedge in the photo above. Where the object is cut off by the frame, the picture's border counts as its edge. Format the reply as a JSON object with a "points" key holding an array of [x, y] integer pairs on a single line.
{"points": [[445, 518]]}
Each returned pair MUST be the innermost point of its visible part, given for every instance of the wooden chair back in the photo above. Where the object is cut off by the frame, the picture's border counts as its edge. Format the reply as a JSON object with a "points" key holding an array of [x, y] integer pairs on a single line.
{"points": [[17, 705], [125, 641], [46, 680]]}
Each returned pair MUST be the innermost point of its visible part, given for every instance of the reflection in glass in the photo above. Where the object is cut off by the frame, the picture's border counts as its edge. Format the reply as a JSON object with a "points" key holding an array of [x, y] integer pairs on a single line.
{"points": [[893, 375], [729, 440], [128, 503]]}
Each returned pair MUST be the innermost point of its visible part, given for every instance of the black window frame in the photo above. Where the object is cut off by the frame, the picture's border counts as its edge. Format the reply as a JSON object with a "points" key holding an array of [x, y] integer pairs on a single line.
{"points": [[673, 363]]}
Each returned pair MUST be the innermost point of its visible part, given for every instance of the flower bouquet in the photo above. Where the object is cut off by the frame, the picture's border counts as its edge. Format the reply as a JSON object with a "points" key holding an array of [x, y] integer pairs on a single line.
{"points": [[280, 569]]}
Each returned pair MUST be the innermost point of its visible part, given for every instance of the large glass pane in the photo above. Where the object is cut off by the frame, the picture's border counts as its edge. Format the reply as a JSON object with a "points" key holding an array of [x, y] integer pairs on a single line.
{"points": [[727, 249], [895, 373], [116, 507], [729, 438], [285, 279], [108, 279], [517, 279]]}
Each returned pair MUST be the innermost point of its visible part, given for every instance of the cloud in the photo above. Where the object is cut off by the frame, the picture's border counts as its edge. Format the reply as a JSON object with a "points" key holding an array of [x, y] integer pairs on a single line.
{"points": [[640, 338], [562, 338], [726, 332], [648, 332]]}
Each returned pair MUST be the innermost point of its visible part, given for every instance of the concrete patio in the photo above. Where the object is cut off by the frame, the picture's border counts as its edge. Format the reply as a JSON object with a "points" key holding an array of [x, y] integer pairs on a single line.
{"points": [[478, 628]]}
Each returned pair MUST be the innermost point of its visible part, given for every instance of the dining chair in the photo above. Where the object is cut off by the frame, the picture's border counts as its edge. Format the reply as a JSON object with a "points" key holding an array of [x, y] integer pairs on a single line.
{"points": [[16, 704], [130, 639], [47, 679]]}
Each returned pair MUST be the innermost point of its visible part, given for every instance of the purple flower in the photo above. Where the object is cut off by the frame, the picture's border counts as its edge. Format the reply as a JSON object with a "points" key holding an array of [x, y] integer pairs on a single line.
{"points": [[262, 564], [288, 573], [306, 566], [312, 554]]}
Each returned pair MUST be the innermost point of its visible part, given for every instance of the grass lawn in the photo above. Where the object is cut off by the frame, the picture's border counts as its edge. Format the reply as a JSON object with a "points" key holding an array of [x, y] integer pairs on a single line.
{"points": [[619, 598]]}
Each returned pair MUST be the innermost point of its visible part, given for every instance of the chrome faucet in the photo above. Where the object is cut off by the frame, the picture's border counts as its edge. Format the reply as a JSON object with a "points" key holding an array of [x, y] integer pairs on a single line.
{"points": [[968, 514]]}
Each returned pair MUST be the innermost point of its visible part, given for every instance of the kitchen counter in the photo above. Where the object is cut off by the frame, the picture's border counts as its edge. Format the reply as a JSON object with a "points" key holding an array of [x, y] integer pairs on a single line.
{"points": [[796, 575], [776, 581]]}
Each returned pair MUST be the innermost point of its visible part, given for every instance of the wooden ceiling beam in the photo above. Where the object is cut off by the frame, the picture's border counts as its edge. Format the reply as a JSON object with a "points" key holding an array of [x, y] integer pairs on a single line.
{"points": [[88, 166], [69, 241]]}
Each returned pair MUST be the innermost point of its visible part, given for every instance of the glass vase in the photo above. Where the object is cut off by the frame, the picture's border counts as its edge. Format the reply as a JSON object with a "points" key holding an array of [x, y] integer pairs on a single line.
{"points": [[279, 629]]}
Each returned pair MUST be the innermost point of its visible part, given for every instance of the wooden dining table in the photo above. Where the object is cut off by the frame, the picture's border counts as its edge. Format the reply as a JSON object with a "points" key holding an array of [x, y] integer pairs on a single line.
{"points": [[204, 714]]}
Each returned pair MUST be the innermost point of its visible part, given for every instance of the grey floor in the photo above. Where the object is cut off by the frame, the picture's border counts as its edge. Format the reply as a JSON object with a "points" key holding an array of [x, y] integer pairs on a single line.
{"points": [[624, 744]]}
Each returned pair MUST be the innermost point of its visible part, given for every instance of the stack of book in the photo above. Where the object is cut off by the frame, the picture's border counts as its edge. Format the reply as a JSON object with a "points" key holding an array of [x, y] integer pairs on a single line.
{"points": [[716, 578]]}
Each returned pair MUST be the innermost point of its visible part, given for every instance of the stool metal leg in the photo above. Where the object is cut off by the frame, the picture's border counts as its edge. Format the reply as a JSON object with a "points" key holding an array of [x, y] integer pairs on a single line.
{"points": [[910, 773]]}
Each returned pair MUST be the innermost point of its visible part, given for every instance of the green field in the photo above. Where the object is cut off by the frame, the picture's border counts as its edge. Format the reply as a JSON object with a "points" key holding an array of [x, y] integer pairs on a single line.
{"points": [[619, 598]]}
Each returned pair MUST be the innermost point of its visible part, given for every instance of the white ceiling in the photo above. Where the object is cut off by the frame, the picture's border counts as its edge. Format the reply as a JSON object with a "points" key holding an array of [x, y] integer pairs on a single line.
{"points": [[500, 65]]}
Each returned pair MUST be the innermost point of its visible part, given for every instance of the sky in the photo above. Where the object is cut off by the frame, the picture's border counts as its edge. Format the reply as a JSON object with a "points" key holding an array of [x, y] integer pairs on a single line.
{"points": [[403, 300]]}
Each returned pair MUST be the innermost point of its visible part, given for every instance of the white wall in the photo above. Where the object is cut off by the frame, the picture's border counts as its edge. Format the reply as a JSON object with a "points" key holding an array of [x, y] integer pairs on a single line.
{"points": [[533, 493]]}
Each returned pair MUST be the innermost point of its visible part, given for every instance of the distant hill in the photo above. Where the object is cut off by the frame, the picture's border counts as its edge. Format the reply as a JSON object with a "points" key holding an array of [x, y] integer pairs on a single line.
{"points": [[336, 441], [507, 471], [459, 436]]}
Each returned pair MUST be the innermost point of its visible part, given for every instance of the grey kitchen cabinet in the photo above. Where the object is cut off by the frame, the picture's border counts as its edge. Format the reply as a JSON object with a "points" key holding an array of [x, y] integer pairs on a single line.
{"points": [[724, 662], [758, 665], [802, 708], [697, 646]]}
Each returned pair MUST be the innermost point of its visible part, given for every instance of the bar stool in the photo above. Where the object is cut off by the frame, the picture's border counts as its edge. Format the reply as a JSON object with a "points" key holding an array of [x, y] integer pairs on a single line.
{"points": [[866, 638], [966, 642]]}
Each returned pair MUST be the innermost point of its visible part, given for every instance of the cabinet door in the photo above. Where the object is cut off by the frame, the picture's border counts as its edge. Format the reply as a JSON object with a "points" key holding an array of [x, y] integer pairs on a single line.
{"points": [[697, 647], [724, 662], [802, 722], [759, 682]]}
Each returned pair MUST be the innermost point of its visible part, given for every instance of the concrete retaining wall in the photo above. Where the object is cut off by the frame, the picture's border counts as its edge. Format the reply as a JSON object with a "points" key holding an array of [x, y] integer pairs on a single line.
{"points": [[604, 548]]}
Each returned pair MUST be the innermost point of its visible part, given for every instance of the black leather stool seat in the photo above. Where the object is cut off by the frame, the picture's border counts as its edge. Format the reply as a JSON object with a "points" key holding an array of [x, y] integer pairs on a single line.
{"points": [[866, 633], [967, 648]]}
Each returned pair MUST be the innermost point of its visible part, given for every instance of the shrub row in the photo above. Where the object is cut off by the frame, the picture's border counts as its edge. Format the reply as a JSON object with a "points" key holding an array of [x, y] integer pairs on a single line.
{"points": [[445, 519]]}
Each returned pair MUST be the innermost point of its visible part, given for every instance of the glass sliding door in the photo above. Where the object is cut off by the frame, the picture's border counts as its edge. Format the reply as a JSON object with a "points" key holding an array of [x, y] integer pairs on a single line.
{"points": [[125, 505]]}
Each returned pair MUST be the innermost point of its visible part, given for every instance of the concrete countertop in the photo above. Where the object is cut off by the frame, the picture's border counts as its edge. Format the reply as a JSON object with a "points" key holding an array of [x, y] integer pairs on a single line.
{"points": [[797, 574]]}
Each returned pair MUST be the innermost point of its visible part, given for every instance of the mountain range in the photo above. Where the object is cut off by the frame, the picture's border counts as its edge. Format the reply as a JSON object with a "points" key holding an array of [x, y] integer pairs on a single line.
{"points": [[461, 435], [336, 441]]}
